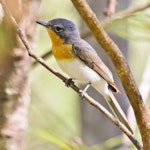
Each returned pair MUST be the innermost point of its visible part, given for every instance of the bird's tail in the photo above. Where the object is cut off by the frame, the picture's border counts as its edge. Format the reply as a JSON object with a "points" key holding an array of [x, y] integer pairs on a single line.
{"points": [[116, 109]]}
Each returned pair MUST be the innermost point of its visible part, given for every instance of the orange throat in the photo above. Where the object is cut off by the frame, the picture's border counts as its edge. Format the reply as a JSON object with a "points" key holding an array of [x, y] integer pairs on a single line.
{"points": [[59, 49]]}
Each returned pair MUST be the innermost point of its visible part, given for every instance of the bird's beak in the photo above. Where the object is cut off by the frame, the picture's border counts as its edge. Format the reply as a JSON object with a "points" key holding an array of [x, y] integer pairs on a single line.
{"points": [[42, 23]]}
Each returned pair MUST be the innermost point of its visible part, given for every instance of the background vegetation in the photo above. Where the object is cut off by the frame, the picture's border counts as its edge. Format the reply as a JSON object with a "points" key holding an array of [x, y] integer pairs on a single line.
{"points": [[57, 107], [57, 117]]}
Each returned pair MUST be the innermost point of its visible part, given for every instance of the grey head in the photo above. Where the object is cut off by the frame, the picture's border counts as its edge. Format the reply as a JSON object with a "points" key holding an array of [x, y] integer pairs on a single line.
{"points": [[64, 28]]}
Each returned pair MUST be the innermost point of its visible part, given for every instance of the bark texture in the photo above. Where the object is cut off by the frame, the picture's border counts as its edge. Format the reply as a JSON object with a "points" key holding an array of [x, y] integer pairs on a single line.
{"points": [[14, 70], [122, 68]]}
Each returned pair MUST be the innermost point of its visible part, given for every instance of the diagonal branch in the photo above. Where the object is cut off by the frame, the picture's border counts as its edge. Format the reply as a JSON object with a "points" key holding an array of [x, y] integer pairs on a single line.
{"points": [[44, 56], [124, 14], [108, 21], [72, 85], [144, 88], [122, 68], [119, 16]]}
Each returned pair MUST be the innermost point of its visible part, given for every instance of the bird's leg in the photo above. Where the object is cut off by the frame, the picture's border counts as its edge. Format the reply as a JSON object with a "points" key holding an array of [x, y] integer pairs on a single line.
{"points": [[68, 82], [84, 90]]}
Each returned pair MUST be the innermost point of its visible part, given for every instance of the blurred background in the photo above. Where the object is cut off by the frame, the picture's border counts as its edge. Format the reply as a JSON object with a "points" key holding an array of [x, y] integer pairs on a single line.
{"points": [[58, 117]]}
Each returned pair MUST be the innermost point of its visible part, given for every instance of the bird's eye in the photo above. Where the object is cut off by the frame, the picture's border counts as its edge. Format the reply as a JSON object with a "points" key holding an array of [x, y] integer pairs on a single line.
{"points": [[58, 29]]}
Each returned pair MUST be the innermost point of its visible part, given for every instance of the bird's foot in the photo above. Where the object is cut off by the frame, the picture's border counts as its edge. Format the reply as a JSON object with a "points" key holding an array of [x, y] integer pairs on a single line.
{"points": [[82, 92], [68, 82]]}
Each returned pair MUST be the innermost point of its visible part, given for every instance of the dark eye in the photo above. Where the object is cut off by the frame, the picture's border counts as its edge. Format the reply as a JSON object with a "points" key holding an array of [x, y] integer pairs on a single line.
{"points": [[58, 29]]}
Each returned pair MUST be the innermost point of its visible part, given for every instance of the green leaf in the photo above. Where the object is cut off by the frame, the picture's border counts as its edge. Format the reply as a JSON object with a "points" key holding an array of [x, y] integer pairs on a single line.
{"points": [[54, 140]]}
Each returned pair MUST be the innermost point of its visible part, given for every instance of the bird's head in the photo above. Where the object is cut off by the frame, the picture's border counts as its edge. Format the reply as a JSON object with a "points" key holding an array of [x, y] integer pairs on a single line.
{"points": [[63, 28]]}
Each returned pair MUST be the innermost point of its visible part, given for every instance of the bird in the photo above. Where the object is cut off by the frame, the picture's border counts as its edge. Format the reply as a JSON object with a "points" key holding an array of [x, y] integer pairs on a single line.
{"points": [[80, 61]]}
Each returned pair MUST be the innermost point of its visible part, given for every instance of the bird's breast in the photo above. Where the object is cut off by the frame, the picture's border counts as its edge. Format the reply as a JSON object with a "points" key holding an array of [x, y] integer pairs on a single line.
{"points": [[60, 50]]}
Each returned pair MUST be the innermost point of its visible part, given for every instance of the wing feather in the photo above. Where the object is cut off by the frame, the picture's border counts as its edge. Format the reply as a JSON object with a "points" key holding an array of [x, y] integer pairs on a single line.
{"points": [[89, 56]]}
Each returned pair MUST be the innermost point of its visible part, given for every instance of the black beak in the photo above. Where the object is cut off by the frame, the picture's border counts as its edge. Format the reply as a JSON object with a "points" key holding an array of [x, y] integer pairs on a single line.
{"points": [[42, 23]]}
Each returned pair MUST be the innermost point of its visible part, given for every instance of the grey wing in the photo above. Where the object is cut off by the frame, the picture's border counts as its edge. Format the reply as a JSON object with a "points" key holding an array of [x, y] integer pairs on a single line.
{"points": [[89, 56]]}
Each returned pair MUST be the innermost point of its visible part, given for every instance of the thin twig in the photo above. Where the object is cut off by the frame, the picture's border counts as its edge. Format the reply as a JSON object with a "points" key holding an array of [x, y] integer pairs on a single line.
{"points": [[44, 56], [72, 85], [124, 14], [122, 68], [119, 16], [111, 7], [107, 22]]}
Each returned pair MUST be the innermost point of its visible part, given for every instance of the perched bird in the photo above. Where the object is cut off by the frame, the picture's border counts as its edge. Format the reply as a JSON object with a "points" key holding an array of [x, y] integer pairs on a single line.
{"points": [[80, 61]]}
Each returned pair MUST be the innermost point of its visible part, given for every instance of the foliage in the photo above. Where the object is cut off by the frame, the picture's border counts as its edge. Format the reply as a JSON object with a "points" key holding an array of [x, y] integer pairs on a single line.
{"points": [[54, 114]]}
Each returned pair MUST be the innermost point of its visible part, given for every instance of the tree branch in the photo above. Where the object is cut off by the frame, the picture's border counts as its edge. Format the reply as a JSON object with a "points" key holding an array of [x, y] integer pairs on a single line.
{"points": [[72, 85], [119, 16], [144, 88], [15, 65], [122, 68], [124, 14], [44, 56], [107, 22]]}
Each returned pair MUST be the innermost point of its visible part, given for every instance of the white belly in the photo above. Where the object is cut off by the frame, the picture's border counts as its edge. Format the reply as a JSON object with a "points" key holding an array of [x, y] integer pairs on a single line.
{"points": [[76, 69]]}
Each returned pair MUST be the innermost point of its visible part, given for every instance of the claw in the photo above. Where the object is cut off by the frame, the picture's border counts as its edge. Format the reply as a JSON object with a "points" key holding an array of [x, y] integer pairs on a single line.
{"points": [[68, 82]]}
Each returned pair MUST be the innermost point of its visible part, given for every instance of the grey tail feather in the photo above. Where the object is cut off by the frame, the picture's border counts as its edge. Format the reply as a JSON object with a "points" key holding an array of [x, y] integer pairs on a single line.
{"points": [[116, 109]]}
